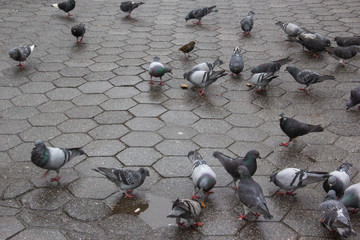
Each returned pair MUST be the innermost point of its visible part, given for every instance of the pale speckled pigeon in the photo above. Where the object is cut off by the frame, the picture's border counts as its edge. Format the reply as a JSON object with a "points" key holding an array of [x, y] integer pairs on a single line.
{"points": [[203, 79], [271, 66], [291, 29], [261, 80], [342, 53]]}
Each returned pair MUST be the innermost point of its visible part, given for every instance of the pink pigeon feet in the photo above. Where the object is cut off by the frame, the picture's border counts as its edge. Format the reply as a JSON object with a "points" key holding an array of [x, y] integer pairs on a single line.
{"points": [[79, 41], [161, 83], [285, 144], [198, 224], [69, 15], [194, 196], [306, 90], [181, 224], [127, 16], [257, 215], [197, 23], [55, 179], [246, 33], [243, 217], [202, 92], [21, 66], [260, 90], [235, 187], [128, 194], [151, 81], [355, 210], [286, 193], [209, 192]]}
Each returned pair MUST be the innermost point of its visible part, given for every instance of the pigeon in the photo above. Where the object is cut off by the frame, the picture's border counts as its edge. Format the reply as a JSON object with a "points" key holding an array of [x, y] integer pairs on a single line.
{"points": [[129, 6], [339, 179], [247, 23], [272, 66], [78, 31], [53, 158], [207, 66], [334, 215], [200, 13], [231, 165], [251, 195], [65, 6], [342, 53], [347, 41], [293, 128], [351, 197], [186, 209], [292, 30], [20, 54], [236, 62], [203, 79], [354, 98], [291, 179], [202, 175], [261, 80], [157, 69], [187, 48], [314, 42], [125, 179], [307, 77]]}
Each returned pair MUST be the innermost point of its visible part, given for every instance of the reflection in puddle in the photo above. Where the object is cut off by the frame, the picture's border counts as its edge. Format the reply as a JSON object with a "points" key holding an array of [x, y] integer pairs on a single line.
{"points": [[153, 209]]}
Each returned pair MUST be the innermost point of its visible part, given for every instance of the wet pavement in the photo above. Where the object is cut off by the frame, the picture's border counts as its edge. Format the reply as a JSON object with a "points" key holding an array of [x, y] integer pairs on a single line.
{"points": [[96, 95]]}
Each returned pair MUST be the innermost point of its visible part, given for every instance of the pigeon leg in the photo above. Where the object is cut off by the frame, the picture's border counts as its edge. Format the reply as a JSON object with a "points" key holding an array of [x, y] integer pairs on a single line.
{"points": [[55, 179], [127, 16], [161, 82], [243, 217], [285, 144], [197, 23], [128, 194], [181, 224], [263, 90], [198, 224], [280, 193], [256, 215], [194, 196], [77, 40], [21, 65], [315, 55], [355, 210], [235, 187], [151, 81], [45, 174], [231, 74], [202, 92], [81, 39], [69, 15], [209, 192]]}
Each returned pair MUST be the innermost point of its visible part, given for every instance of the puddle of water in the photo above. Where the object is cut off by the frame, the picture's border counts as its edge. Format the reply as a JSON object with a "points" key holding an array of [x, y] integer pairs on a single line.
{"points": [[153, 209]]}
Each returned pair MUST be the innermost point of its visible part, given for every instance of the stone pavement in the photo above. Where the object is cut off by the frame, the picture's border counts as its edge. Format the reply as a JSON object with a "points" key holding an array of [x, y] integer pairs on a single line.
{"points": [[96, 96]]}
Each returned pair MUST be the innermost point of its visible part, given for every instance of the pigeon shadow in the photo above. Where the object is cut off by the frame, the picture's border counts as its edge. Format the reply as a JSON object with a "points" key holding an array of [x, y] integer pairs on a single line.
{"points": [[78, 47]]}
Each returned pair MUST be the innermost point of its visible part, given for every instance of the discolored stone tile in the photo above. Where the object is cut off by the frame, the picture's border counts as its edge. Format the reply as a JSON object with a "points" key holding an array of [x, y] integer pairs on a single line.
{"points": [[46, 198], [87, 209], [93, 188], [267, 230]]}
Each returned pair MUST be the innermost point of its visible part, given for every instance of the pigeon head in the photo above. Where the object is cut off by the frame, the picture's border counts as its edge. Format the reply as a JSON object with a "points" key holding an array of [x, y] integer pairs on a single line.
{"points": [[282, 116], [254, 153], [186, 75], [243, 171], [237, 50], [349, 104], [156, 59], [292, 70], [272, 177], [331, 195], [332, 181], [144, 172], [14, 53], [38, 144], [251, 13], [188, 16]]}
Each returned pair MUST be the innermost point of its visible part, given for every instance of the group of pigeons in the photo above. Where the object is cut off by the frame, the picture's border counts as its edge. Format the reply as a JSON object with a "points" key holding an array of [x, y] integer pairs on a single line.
{"points": [[340, 195]]}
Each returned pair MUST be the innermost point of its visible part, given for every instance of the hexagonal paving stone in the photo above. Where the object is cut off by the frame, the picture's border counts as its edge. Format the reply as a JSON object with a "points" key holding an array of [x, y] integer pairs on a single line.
{"points": [[29, 100], [13, 126], [95, 87], [17, 188], [8, 141], [177, 132], [40, 234], [87, 209], [103, 148], [56, 106], [77, 125], [180, 118], [9, 227], [84, 112], [46, 198], [113, 117], [108, 131], [243, 120], [118, 104], [89, 99], [165, 188], [144, 124], [95, 188], [71, 140], [47, 119], [122, 92], [39, 133], [63, 94], [211, 112], [247, 134], [150, 98], [229, 223], [176, 147], [173, 167], [141, 139], [213, 140], [37, 87], [211, 126], [267, 230], [147, 110]]}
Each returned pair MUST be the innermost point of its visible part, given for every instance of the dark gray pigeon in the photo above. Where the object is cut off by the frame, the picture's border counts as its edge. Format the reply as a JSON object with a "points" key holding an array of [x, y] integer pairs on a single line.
{"points": [[125, 179], [251, 195], [157, 69], [247, 23], [65, 6], [203, 79], [207, 66], [351, 197], [347, 41], [272, 66], [231, 164], [354, 98], [291, 179], [53, 158], [339, 179], [78, 31], [307, 77], [293, 128], [200, 13], [129, 6], [236, 62], [292, 30], [186, 209], [261, 80], [20, 54], [342, 53], [334, 216], [204, 178]]}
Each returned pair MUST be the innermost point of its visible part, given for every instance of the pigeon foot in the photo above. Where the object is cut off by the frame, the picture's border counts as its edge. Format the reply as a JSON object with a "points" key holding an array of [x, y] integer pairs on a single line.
{"points": [[197, 23], [128, 194], [181, 224], [161, 83], [69, 15], [256, 215], [21, 66], [198, 224], [202, 92], [55, 179], [151, 82], [243, 217], [355, 210], [285, 144], [195, 197], [127, 16], [209, 192], [286, 193], [235, 187], [45, 174]]}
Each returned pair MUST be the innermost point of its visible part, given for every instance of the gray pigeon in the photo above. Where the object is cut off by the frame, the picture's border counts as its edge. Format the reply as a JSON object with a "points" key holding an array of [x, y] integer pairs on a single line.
{"points": [[351, 197], [231, 165], [65, 6], [347, 41], [354, 98], [272, 66], [78, 31], [261, 80], [200, 13], [247, 23], [292, 30], [342, 53], [125, 179], [314, 42], [291, 179], [20, 54], [203, 79], [334, 216], [251, 195], [207, 66], [202, 175], [129, 6], [186, 209], [157, 69], [293, 128], [307, 77], [339, 179], [236, 62], [52, 158]]}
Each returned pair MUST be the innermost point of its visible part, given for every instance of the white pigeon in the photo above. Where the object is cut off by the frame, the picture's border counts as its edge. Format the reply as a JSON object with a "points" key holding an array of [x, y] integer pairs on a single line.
{"points": [[261, 80], [203, 79]]}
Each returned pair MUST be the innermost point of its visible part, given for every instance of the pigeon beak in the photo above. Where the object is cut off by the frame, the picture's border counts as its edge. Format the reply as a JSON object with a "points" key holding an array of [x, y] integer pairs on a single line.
{"points": [[259, 157], [330, 185]]}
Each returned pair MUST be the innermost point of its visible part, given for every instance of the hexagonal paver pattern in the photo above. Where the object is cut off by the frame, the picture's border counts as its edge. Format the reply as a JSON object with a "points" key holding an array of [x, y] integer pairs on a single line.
{"points": [[141, 139], [137, 156]]}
